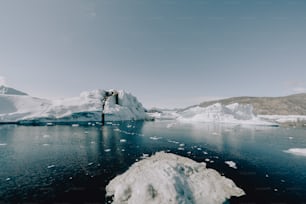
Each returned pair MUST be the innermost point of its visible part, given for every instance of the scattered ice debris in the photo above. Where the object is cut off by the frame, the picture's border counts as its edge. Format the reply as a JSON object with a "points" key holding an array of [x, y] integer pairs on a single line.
{"points": [[231, 164], [199, 148], [122, 150], [168, 178], [211, 161], [290, 138], [70, 178], [49, 124], [122, 140], [45, 144], [207, 160], [90, 163], [8, 179], [46, 136], [86, 132], [275, 189], [129, 126], [155, 138], [181, 148], [205, 153], [3, 144], [182, 145], [75, 125], [107, 150], [267, 176], [189, 152], [51, 166], [297, 151], [92, 142], [283, 181]]}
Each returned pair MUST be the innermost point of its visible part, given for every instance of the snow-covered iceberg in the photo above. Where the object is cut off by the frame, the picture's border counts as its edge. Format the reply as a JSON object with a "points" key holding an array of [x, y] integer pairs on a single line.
{"points": [[166, 178], [17, 106], [234, 113]]}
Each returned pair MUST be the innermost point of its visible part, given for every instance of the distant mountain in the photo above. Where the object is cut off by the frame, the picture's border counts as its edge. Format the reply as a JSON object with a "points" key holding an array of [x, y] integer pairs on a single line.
{"points": [[287, 105], [10, 91]]}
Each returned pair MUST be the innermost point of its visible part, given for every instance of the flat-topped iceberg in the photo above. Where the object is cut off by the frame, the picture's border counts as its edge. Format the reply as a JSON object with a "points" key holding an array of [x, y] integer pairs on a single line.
{"points": [[86, 107], [166, 178]]}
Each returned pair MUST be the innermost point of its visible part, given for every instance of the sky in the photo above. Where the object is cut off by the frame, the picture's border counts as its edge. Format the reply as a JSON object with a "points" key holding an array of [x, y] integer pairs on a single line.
{"points": [[168, 53]]}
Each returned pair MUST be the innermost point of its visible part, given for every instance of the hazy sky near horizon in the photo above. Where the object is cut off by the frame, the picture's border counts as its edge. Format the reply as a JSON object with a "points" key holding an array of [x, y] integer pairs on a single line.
{"points": [[168, 53]]}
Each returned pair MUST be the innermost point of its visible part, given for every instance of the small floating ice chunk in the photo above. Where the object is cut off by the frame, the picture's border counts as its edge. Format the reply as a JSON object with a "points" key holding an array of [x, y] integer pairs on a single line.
{"points": [[86, 132], [123, 140], [129, 126], [170, 125], [207, 160], [231, 164], [199, 148], [297, 151], [172, 141], [46, 136], [107, 150], [155, 138], [3, 144], [168, 178], [182, 145], [90, 163], [205, 153], [181, 148], [290, 138], [144, 156], [51, 166], [75, 125], [8, 179], [45, 144]]}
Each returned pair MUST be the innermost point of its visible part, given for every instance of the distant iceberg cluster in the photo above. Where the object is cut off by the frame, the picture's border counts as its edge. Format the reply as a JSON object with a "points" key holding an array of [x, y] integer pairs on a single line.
{"points": [[217, 113], [16, 107], [166, 178]]}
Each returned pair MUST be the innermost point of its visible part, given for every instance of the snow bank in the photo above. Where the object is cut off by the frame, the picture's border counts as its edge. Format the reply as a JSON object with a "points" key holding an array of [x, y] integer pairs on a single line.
{"points": [[297, 151], [234, 113], [167, 178], [86, 107]]}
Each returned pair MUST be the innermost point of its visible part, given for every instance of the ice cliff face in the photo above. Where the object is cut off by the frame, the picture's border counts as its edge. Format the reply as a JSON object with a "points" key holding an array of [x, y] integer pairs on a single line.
{"points": [[86, 107]]}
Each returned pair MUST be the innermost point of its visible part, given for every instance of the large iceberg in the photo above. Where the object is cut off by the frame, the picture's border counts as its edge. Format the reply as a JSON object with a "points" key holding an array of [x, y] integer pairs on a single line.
{"points": [[86, 107], [166, 178], [234, 113]]}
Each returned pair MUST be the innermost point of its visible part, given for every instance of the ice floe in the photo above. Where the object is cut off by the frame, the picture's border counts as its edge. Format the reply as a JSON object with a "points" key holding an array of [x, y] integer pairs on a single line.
{"points": [[166, 178]]}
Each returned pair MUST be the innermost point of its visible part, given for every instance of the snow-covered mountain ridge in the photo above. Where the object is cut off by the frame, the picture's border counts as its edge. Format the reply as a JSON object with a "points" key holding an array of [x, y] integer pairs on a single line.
{"points": [[16, 107]]}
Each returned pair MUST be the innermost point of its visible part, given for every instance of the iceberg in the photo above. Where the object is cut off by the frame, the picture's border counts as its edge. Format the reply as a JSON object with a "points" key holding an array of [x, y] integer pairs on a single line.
{"points": [[16, 106], [233, 113], [166, 178], [297, 151]]}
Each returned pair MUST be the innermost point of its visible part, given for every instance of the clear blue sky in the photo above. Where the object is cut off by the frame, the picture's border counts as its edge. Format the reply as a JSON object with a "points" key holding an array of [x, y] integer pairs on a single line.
{"points": [[169, 53]]}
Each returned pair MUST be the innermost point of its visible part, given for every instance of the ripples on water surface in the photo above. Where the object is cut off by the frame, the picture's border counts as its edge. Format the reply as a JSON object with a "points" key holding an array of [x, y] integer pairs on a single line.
{"points": [[75, 163]]}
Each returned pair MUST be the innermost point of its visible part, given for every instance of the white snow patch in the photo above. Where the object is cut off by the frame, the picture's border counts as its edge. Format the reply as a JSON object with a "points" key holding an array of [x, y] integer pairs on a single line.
{"points": [[166, 178], [297, 151], [231, 164]]}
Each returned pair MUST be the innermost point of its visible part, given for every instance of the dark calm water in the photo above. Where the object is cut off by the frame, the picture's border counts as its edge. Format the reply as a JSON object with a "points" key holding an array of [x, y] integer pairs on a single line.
{"points": [[53, 164]]}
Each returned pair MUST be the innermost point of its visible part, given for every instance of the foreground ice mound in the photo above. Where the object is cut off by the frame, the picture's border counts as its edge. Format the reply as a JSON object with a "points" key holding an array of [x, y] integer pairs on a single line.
{"points": [[168, 178], [86, 107], [233, 113]]}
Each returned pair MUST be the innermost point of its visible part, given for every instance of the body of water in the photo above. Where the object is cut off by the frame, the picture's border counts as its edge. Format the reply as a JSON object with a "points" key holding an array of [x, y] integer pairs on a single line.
{"points": [[48, 164]]}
